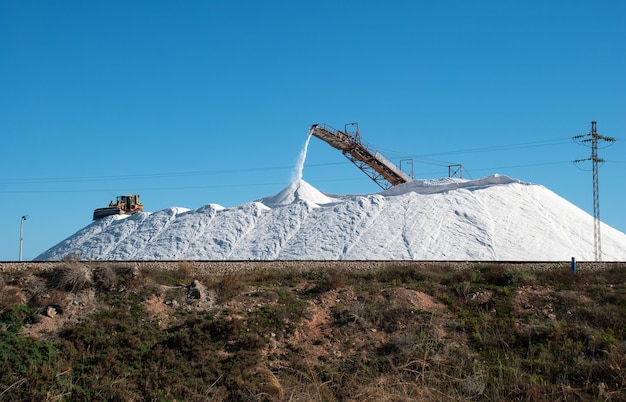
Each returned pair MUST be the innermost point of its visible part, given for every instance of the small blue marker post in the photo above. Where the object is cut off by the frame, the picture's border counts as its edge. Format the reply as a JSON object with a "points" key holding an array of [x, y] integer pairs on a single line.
{"points": [[574, 264]]}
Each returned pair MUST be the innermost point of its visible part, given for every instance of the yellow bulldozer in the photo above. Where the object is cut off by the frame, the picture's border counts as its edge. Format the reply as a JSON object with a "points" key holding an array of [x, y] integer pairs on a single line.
{"points": [[124, 205]]}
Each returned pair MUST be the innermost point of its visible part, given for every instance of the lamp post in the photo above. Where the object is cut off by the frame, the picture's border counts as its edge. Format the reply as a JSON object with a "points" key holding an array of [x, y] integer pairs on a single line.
{"points": [[24, 217]]}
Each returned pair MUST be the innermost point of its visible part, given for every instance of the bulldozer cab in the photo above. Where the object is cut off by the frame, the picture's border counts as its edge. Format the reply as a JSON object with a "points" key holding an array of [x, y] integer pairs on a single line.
{"points": [[124, 201], [128, 202]]}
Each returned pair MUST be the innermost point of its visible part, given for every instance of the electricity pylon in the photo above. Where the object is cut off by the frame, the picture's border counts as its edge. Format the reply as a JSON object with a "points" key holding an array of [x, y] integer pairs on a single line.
{"points": [[593, 138]]}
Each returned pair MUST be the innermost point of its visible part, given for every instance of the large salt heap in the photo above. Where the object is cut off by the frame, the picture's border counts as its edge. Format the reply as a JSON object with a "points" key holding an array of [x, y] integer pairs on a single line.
{"points": [[493, 218]]}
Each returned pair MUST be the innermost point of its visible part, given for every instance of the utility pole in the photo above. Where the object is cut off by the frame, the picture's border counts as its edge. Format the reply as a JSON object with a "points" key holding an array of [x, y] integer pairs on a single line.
{"points": [[24, 217], [593, 138], [408, 162]]}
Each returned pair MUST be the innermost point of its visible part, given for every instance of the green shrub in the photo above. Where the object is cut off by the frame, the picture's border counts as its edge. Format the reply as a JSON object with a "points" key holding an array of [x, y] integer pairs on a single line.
{"points": [[25, 361]]}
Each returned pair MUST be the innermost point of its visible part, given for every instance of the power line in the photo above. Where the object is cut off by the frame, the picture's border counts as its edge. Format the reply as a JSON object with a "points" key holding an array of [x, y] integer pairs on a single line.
{"points": [[522, 166], [167, 175], [211, 186], [466, 171], [49, 180], [425, 158], [532, 144], [492, 168]]}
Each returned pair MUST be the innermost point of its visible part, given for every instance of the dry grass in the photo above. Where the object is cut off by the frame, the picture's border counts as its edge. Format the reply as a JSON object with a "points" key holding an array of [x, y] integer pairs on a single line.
{"points": [[105, 277], [9, 297], [74, 277], [185, 269]]}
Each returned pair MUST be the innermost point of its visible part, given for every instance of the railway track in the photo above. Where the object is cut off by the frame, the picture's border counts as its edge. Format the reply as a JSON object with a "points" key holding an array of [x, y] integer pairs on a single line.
{"points": [[212, 266]]}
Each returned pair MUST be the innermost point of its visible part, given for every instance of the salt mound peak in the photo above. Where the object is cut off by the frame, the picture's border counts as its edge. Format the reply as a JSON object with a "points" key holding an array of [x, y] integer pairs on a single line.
{"points": [[298, 190]]}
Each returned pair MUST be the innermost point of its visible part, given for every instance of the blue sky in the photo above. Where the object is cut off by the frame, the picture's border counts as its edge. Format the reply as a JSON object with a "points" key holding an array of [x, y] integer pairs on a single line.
{"points": [[197, 102]]}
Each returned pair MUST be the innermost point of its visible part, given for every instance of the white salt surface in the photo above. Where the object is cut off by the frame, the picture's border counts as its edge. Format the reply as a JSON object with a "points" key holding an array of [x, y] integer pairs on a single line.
{"points": [[493, 218]]}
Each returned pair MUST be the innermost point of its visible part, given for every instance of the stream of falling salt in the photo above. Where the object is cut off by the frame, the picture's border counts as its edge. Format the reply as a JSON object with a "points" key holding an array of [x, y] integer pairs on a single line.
{"points": [[297, 174]]}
